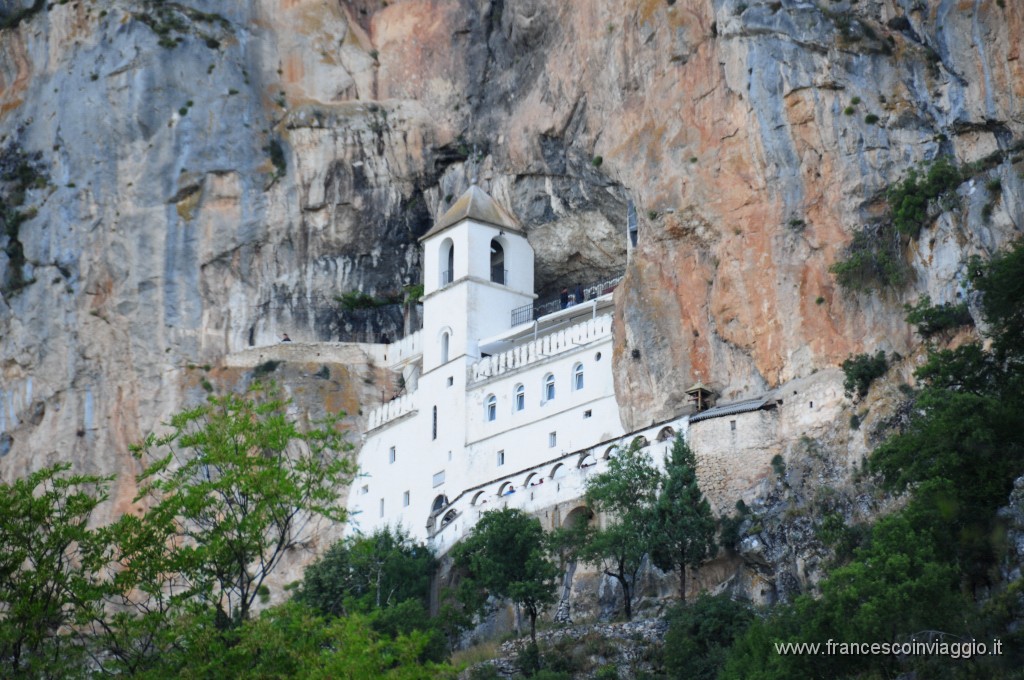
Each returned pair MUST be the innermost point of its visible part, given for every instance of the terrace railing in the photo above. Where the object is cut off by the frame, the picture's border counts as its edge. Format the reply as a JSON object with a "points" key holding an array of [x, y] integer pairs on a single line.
{"points": [[536, 310]]}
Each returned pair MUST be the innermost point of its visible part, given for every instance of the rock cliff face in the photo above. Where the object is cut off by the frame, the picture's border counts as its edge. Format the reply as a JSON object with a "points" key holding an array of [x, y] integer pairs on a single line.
{"points": [[181, 181]]}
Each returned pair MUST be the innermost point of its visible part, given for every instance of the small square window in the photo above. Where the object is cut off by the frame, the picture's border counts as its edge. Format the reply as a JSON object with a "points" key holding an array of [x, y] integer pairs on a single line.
{"points": [[501, 457], [732, 425], [391, 455], [552, 439], [588, 413], [451, 381], [405, 499], [365, 489]]}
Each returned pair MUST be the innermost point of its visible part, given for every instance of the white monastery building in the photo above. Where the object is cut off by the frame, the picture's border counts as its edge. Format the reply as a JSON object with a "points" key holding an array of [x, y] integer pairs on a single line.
{"points": [[507, 402]]}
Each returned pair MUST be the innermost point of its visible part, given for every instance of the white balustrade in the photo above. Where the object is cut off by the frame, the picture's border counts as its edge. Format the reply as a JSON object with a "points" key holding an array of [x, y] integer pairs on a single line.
{"points": [[542, 348], [395, 408]]}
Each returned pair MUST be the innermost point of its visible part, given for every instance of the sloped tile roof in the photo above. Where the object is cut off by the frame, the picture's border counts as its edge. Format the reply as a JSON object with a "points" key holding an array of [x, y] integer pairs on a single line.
{"points": [[475, 205]]}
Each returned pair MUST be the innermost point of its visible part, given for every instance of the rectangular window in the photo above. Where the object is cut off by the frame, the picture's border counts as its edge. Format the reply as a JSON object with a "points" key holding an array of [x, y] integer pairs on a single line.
{"points": [[451, 381], [381, 507], [391, 455], [438, 478], [732, 425], [433, 430], [588, 413], [366, 489], [501, 457], [405, 499], [552, 439]]}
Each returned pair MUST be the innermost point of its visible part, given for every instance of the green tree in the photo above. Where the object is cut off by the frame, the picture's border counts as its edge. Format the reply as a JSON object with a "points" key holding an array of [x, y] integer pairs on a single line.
{"points": [[626, 493], [506, 554], [685, 529], [700, 634], [233, 485], [386, 575], [48, 561], [292, 641], [861, 371], [363, 573]]}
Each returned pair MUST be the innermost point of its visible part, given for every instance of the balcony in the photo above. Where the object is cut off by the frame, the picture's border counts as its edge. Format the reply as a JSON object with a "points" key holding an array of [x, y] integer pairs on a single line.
{"points": [[532, 312]]}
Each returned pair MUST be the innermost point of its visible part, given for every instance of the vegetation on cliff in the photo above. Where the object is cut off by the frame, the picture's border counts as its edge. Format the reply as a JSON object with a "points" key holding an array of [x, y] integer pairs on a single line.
{"points": [[929, 573]]}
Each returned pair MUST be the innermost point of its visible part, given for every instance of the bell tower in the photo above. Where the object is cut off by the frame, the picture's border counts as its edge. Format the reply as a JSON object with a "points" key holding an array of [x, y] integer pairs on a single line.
{"points": [[478, 267]]}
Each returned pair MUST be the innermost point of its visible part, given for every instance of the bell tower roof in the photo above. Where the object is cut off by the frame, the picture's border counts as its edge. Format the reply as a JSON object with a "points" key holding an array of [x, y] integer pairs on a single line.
{"points": [[475, 205]]}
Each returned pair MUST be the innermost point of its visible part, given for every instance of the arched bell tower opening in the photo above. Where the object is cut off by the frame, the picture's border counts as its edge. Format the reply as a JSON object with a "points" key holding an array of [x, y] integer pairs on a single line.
{"points": [[498, 272], [446, 265]]}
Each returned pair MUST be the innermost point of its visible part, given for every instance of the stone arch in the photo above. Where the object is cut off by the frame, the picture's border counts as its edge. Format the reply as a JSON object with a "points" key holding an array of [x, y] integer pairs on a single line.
{"points": [[477, 496], [586, 460], [506, 488], [581, 515], [610, 451], [558, 471], [448, 517], [666, 433], [639, 442], [530, 478]]}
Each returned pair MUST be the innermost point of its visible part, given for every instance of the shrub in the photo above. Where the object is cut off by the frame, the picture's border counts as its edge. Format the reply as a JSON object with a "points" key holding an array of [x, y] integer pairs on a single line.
{"points": [[729, 531], [819, 300], [873, 258], [862, 370], [779, 465], [276, 153], [855, 101], [266, 368], [933, 319], [994, 186], [849, 110], [854, 422], [597, 161], [700, 634], [528, 660], [871, 119], [908, 200]]}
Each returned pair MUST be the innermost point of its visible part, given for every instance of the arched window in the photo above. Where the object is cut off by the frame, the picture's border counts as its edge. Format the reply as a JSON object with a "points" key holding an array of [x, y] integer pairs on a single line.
{"points": [[497, 262], [439, 503], [577, 377], [520, 398], [444, 347], [446, 265], [492, 408], [549, 387], [666, 433]]}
